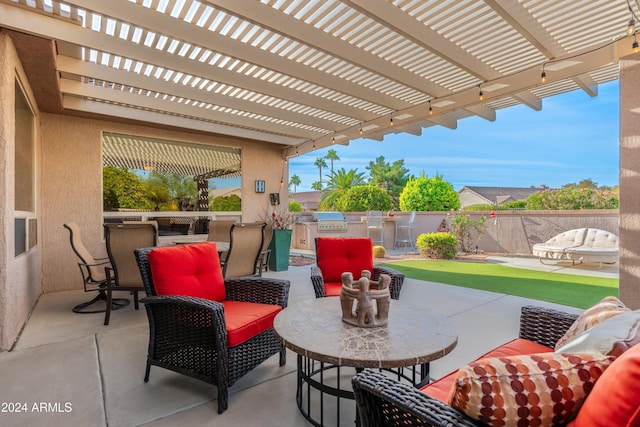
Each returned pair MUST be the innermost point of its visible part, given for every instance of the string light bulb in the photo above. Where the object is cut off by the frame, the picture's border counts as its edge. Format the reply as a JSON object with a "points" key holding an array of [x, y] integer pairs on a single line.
{"points": [[333, 139], [361, 132], [391, 121], [631, 28], [635, 44], [430, 109], [543, 76], [480, 94]]}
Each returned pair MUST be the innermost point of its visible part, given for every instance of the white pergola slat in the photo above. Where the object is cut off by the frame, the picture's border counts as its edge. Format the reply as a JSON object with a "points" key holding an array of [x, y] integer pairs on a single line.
{"points": [[309, 73]]}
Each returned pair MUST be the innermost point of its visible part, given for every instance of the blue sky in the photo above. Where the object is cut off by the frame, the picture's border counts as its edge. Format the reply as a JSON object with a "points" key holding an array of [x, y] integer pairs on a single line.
{"points": [[573, 137]]}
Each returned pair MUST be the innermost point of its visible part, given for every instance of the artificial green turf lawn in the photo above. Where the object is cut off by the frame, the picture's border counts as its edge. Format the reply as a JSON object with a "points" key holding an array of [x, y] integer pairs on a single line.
{"points": [[560, 288]]}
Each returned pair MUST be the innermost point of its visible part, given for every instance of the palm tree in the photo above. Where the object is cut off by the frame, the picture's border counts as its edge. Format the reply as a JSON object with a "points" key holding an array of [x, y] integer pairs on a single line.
{"points": [[339, 182], [320, 163], [317, 186], [295, 181], [332, 156]]}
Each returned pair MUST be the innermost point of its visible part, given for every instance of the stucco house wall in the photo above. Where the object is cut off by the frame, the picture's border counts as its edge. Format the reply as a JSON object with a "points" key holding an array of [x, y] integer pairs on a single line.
{"points": [[72, 185], [21, 276]]}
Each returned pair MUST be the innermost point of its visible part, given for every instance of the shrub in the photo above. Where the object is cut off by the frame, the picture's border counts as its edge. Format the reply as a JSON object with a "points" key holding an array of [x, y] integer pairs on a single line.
{"points": [[363, 198], [437, 245], [466, 230], [573, 198], [295, 206], [379, 252], [428, 195]]}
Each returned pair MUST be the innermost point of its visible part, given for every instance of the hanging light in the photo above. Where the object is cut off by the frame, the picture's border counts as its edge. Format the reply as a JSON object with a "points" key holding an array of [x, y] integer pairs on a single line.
{"points": [[631, 28], [480, 94], [430, 109], [361, 132], [391, 121], [333, 139], [635, 44], [543, 76]]}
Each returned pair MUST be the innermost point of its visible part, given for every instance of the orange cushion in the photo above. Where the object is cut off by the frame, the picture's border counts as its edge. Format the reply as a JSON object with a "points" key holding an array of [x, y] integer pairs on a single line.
{"points": [[337, 255], [190, 270], [245, 320], [615, 398], [332, 289], [440, 389]]}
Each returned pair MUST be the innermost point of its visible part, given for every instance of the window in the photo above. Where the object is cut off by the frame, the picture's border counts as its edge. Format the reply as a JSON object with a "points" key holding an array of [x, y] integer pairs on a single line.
{"points": [[25, 222]]}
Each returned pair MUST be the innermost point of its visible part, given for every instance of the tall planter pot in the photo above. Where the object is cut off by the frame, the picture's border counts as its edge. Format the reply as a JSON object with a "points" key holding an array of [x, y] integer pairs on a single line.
{"points": [[280, 246]]}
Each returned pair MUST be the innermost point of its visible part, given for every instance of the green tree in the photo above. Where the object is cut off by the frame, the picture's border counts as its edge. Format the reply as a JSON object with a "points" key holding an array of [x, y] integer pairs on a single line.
{"points": [[338, 183], [182, 189], [364, 198], [320, 163], [317, 186], [226, 203], [122, 188], [391, 177], [157, 193], [569, 198], [295, 181], [428, 194], [295, 206], [332, 156]]}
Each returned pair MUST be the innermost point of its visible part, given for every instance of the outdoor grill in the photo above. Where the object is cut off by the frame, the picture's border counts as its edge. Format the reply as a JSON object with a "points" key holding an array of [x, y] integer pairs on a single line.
{"points": [[330, 222]]}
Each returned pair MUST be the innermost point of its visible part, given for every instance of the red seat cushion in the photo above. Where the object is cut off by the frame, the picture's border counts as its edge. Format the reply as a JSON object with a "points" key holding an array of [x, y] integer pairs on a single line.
{"points": [[245, 320], [441, 388], [615, 398], [332, 289], [337, 255], [190, 270]]}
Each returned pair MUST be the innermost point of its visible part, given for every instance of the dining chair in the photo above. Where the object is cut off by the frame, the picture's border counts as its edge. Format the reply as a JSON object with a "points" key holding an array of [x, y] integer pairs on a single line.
{"points": [[375, 227], [220, 231], [265, 252], [123, 274], [245, 246], [404, 233], [93, 274]]}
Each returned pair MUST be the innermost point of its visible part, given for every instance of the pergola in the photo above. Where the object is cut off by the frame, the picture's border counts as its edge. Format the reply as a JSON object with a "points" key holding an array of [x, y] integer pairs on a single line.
{"points": [[308, 74]]}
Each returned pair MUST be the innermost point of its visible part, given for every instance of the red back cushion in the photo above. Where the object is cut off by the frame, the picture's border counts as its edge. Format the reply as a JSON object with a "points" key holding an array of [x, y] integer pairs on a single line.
{"points": [[338, 255], [190, 270]]}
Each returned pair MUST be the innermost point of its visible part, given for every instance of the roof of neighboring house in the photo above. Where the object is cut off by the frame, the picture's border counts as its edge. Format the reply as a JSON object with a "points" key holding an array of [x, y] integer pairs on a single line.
{"points": [[502, 194]]}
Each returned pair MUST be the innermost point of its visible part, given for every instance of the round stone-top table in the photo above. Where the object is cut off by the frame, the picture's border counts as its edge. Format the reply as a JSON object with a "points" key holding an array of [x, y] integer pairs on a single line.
{"points": [[314, 329]]}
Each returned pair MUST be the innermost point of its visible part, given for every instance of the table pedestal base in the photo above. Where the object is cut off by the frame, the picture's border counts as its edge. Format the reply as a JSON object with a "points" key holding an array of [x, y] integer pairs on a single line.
{"points": [[321, 386]]}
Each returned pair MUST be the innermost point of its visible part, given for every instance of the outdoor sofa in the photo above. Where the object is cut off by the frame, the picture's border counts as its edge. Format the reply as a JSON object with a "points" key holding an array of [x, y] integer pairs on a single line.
{"points": [[591, 379], [580, 245]]}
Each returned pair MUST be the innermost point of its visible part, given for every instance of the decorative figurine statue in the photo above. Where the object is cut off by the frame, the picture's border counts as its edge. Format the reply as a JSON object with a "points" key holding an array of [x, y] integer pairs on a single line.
{"points": [[372, 300]]}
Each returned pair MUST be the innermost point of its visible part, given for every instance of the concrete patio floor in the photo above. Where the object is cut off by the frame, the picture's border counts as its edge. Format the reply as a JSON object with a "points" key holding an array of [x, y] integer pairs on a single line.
{"points": [[69, 369]]}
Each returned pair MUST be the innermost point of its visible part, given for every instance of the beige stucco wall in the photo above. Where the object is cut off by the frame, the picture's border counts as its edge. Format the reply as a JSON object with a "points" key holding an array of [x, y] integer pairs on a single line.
{"points": [[72, 186], [20, 277], [630, 180]]}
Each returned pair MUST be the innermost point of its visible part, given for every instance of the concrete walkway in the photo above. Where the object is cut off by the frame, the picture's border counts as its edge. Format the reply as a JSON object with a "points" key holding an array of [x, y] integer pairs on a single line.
{"points": [[70, 369]]}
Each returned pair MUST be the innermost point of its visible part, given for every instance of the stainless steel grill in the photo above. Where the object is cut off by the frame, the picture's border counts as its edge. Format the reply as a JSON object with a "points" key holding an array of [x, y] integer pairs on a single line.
{"points": [[330, 222]]}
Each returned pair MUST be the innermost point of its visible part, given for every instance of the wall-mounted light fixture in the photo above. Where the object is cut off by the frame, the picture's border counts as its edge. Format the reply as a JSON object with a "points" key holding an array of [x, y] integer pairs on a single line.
{"points": [[259, 186]]}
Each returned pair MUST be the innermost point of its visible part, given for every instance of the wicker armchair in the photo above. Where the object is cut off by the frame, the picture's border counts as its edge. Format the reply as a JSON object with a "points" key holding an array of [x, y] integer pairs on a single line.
{"points": [[337, 255], [384, 402], [189, 334]]}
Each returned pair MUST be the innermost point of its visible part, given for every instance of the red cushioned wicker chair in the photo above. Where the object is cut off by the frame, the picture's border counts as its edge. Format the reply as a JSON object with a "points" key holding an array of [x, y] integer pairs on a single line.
{"points": [[335, 256], [202, 325], [385, 402]]}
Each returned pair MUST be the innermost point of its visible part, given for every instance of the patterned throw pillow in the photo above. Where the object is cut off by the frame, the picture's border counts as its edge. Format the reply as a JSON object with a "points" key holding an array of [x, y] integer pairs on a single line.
{"points": [[544, 389], [608, 307]]}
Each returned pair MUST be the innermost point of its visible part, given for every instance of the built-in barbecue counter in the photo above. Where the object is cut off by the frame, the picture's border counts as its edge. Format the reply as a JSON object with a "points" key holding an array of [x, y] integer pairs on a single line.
{"points": [[310, 225]]}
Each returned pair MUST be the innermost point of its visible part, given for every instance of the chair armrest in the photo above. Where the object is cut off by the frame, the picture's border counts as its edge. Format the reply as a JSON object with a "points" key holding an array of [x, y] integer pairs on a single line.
{"points": [[317, 281], [193, 322], [397, 279], [385, 402], [258, 289], [544, 325]]}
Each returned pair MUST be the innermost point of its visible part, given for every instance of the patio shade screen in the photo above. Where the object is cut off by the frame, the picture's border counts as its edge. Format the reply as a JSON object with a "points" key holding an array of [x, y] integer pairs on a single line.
{"points": [[160, 155]]}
